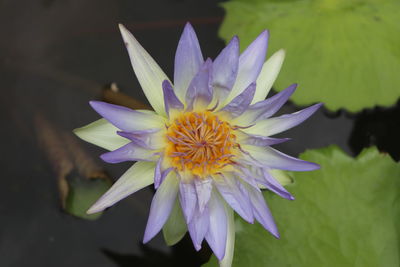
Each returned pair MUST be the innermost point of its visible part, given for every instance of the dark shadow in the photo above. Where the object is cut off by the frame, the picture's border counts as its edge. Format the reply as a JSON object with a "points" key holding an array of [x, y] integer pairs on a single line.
{"points": [[377, 127], [182, 254]]}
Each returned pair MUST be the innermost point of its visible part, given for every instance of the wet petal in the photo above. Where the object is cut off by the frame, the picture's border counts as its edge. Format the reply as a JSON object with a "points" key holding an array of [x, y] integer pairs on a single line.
{"points": [[268, 75], [127, 119], [188, 60], [135, 178], [101, 133], [149, 74], [282, 123], [161, 206]]}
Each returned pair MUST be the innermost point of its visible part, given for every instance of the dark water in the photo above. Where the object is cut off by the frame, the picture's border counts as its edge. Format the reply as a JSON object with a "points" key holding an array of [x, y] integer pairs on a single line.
{"points": [[57, 55]]}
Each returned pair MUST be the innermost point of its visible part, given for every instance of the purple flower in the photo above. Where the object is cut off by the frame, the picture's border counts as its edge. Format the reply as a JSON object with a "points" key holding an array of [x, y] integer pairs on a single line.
{"points": [[206, 146]]}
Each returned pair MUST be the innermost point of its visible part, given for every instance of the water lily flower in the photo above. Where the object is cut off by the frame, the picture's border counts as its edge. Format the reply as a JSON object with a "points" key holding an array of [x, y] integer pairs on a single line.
{"points": [[206, 147]]}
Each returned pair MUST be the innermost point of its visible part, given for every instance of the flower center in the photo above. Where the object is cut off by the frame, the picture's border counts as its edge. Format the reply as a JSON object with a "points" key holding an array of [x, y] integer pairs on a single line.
{"points": [[200, 142]]}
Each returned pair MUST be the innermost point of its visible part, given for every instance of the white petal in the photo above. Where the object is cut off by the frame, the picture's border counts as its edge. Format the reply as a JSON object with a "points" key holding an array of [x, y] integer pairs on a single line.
{"points": [[135, 178], [230, 239], [149, 74], [268, 75], [101, 133], [217, 232], [250, 64], [203, 190], [188, 199]]}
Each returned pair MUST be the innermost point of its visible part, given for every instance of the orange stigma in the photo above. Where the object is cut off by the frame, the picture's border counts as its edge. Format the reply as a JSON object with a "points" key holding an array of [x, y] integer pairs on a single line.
{"points": [[200, 142]]}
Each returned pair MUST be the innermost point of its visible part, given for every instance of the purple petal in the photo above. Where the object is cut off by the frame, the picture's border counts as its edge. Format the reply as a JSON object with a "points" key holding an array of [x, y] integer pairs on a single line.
{"points": [[149, 139], [198, 227], [161, 206], [282, 123], [135, 139], [217, 231], [160, 173], [129, 152], [262, 213], [170, 99], [126, 119], [188, 199], [225, 69], [258, 140], [247, 176], [266, 108], [199, 92], [273, 185], [203, 190], [250, 63], [188, 60], [269, 157], [230, 191], [241, 102]]}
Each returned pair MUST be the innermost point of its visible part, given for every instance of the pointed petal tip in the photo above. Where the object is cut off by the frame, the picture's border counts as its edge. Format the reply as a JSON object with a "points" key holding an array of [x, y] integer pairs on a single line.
{"points": [[124, 31], [77, 131], [165, 83], [106, 157], [276, 234], [146, 239], [97, 105], [121, 26], [292, 87], [234, 41], [197, 247], [95, 208], [316, 166], [220, 255], [265, 33], [93, 103], [188, 28]]}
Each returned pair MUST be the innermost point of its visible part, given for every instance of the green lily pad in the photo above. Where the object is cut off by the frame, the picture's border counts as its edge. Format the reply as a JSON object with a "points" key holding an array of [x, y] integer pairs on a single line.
{"points": [[345, 53], [83, 192], [345, 214]]}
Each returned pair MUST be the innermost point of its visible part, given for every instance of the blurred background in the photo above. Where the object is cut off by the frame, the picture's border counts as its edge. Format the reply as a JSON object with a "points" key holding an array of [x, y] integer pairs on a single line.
{"points": [[55, 56]]}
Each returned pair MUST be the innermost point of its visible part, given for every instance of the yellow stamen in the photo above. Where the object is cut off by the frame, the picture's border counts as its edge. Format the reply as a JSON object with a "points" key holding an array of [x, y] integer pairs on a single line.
{"points": [[200, 142]]}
